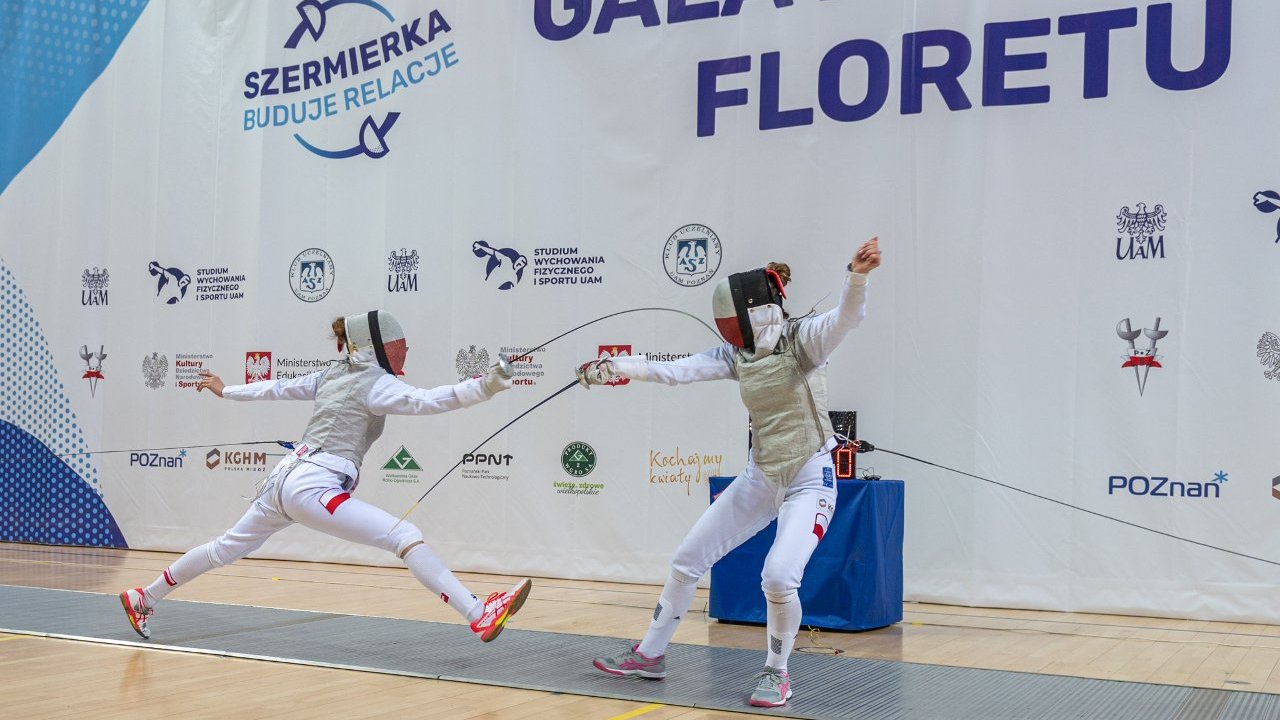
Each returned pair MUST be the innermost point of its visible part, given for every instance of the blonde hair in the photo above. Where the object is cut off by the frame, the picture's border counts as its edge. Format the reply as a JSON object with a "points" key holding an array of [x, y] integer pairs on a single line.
{"points": [[339, 328], [783, 270]]}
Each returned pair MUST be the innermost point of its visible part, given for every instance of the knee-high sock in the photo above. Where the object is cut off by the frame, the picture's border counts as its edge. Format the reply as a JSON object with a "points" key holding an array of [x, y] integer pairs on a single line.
{"points": [[783, 624], [677, 596], [433, 575], [196, 562]]}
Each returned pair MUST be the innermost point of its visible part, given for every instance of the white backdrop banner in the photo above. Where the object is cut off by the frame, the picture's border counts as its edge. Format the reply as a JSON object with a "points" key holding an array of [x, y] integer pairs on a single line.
{"points": [[1077, 298]]}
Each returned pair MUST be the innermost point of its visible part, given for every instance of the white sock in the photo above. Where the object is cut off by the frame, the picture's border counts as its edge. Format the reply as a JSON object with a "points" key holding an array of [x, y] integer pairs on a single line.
{"points": [[435, 577], [677, 596], [783, 624], [196, 562]]}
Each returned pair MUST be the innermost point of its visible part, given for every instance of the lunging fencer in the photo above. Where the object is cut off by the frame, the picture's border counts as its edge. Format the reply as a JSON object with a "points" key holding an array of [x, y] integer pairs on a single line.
{"points": [[780, 365], [313, 484]]}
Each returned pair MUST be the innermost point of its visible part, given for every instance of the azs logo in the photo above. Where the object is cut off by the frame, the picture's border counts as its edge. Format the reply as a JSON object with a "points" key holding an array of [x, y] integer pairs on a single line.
{"points": [[1156, 486], [156, 460]]}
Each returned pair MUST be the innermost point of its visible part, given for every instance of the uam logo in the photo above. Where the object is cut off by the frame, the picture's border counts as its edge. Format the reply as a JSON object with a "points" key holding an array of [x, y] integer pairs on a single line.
{"points": [[402, 271], [257, 366], [171, 282], [341, 81], [154, 369], [92, 366], [471, 363], [1141, 359], [1268, 201], [612, 351], [94, 287], [1140, 229], [503, 267]]}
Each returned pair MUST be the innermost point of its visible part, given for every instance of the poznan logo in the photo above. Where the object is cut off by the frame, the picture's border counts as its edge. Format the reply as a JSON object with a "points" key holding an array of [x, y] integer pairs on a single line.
{"points": [[154, 369], [311, 275], [1141, 359], [94, 287], [92, 366], [578, 459], [692, 255], [257, 366], [326, 77], [1140, 233]]}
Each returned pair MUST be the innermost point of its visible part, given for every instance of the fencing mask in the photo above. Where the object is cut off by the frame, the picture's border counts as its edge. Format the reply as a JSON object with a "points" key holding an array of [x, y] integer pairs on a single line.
{"points": [[748, 309], [378, 331]]}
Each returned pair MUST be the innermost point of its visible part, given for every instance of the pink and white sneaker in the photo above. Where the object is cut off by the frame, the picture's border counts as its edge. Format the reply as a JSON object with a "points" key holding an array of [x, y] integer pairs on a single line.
{"points": [[773, 690], [137, 611], [498, 607], [631, 662]]}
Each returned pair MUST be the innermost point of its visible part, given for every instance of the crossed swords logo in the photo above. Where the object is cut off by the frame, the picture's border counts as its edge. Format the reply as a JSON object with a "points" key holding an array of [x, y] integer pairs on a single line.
{"points": [[1141, 360]]}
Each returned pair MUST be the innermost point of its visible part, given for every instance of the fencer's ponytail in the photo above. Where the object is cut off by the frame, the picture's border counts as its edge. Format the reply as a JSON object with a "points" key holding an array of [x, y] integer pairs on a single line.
{"points": [[339, 327], [783, 270]]}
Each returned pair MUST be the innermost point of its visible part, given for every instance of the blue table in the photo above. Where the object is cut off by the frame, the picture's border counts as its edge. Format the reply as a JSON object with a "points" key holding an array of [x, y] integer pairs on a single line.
{"points": [[852, 582]]}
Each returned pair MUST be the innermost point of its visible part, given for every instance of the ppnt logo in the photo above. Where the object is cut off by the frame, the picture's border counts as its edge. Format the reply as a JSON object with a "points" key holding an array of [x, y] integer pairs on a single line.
{"points": [[92, 366], [94, 287], [154, 369], [304, 85], [1141, 359], [311, 275], [257, 366], [1140, 233], [1268, 201], [471, 363], [502, 266], [402, 271], [692, 255], [171, 282], [613, 351]]}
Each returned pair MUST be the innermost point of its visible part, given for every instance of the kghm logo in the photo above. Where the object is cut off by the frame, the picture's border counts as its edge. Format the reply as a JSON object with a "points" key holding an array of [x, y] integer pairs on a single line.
{"points": [[1141, 360], [94, 284], [402, 51], [402, 271], [1140, 233]]}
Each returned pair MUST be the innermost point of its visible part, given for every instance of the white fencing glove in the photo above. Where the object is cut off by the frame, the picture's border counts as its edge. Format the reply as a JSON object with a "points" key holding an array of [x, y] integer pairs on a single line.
{"points": [[596, 372], [499, 377]]}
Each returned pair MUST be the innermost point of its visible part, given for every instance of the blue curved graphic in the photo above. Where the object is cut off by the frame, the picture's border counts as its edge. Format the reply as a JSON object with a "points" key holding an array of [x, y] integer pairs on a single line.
{"points": [[372, 140], [44, 501], [47, 64], [314, 17]]}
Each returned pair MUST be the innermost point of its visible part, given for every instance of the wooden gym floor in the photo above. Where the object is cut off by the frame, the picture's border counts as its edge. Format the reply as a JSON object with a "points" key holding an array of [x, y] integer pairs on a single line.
{"points": [[43, 677]]}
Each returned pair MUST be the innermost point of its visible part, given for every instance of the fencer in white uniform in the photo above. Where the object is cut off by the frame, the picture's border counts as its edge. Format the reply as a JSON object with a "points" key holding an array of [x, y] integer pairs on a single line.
{"points": [[313, 485], [780, 365]]}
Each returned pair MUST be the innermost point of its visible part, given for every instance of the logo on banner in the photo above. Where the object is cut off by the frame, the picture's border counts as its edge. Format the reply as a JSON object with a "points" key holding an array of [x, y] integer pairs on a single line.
{"points": [[1157, 486], [692, 255], [1140, 230], [401, 467], [1142, 360], [154, 369], [487, 466], [1268, 201], [578, 459], [337, 81], [171, 283], [525, 368], [187, 367], [1275, 487], [311, 275], [92, 367], [157, 460], [257, 366], [471, 363], [94, 287], [402, 271], [213, 458], [503, 267], [685, 468], [612, 351], [1269, 355]]}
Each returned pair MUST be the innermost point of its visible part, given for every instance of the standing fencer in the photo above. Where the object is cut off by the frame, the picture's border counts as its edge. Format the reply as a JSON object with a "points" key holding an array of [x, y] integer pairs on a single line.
{"points": [[313, 484], [780, 365]]}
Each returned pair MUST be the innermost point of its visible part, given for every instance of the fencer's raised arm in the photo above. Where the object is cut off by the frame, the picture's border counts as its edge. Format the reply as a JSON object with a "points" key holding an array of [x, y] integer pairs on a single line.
{"points": [[392, 396], [297, 388], [820, 335], [713, 364]]}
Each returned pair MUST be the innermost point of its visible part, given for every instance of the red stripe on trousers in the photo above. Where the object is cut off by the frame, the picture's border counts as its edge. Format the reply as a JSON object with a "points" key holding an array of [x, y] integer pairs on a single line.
{"points": [[169, 578], [335, 501]]}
